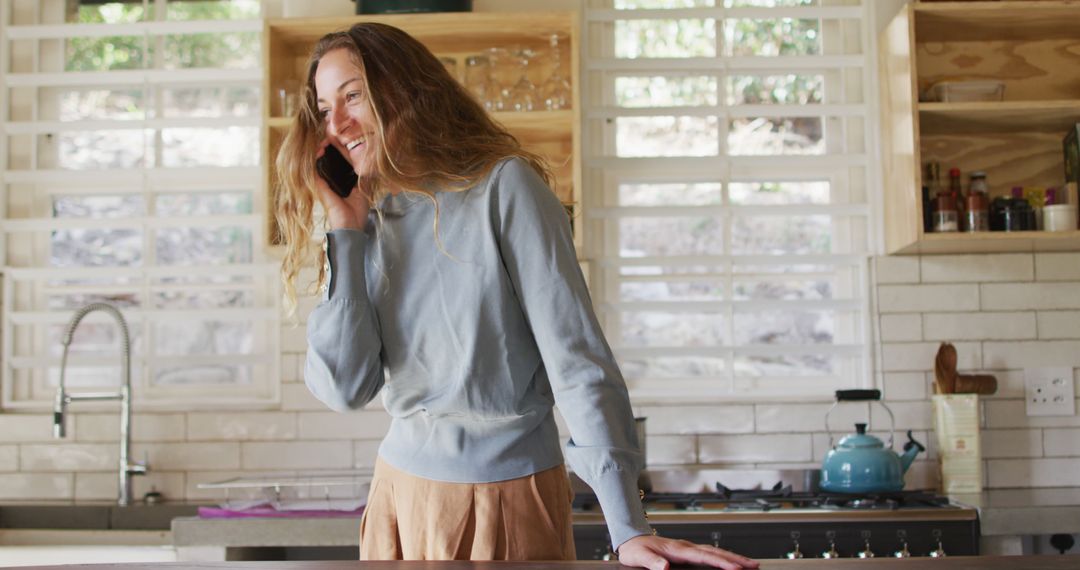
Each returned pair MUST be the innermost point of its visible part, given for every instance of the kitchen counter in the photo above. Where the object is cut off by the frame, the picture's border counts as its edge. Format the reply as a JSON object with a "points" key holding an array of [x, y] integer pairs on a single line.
{"points": [[958, 563], [1017, 512]]}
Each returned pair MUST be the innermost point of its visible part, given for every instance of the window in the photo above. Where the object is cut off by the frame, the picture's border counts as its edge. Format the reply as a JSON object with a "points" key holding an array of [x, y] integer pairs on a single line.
{"points": [[726, 192], [130, 176]]}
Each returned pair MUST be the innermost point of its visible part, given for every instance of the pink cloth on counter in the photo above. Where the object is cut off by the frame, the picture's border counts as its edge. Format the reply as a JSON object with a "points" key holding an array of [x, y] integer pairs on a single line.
{"points": [[270, 512]]}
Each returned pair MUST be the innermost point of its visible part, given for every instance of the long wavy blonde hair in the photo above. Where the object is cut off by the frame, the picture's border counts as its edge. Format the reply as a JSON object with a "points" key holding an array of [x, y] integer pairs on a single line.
{"points": [[432, 134]]}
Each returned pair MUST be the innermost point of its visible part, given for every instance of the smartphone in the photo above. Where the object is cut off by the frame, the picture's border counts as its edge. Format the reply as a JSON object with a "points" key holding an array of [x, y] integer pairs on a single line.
{"points": [[336, 171]]}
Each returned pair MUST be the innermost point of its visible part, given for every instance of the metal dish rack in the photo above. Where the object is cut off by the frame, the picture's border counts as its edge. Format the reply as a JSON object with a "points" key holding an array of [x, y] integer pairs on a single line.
{"points": [[272, 486]]}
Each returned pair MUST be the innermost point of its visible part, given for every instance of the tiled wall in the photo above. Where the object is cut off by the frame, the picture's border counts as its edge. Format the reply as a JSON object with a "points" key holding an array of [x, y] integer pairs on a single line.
{"points": [[1003, 312]]}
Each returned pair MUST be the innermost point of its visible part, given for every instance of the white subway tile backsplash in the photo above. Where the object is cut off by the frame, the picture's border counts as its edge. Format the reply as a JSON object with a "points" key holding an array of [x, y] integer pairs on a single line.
{"points": [[951, 327], [1011, 443], [1031, 354], [901, 327], [927, 298], [293, 338], [922, 475], [671, 449], [788, 418], [1049, 472], [977, 268], [919, 356], [900, 386], [1057, 266], [754, 448], [305, 306], [304, 455], [9, 458], [909, 415], [297, 397], [688, 420], [69, 457], [351, 425], [290, 368], [1029, 296], [365, 452], [22, 428], [97, 486], [189, 456], [1004, 414], [896, 269], [1062, 442], [1059, 324], [216, 426], [28, 485], [144, 427], [1010, 384]]}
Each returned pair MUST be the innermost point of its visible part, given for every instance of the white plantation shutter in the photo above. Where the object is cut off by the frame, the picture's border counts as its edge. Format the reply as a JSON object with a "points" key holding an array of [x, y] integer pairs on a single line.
{"points": [[727, 184], [131, 176]]}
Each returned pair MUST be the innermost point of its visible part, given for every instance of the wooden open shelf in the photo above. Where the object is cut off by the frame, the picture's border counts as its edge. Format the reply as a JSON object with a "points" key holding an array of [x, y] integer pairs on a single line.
{"points": [[998, 117], [1008, 21], [1031, 47], [555, 135]]}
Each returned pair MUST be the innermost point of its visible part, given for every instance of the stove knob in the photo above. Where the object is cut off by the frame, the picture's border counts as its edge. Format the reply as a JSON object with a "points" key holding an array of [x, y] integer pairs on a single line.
{"points": [[794, 554], [866, 553], [903, 552], [715, 536], [938, 552], [831, 552]]}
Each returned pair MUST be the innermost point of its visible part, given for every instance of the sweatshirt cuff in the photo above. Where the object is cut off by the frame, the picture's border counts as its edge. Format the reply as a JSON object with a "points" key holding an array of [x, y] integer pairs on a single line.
{"points": [[345, 259], [620, 501]]}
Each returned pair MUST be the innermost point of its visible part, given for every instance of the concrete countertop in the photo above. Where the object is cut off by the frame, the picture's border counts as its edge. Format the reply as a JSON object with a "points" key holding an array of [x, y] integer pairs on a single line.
{"points": [[1022, 512], [998, 517]]}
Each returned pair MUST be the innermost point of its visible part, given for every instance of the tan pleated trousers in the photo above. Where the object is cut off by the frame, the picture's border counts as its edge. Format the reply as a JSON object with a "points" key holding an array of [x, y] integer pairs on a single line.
{"points": [[410, 518]]}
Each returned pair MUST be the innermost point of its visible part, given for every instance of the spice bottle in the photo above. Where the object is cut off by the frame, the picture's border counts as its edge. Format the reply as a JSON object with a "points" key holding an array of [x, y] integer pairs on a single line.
{"points": [[957, 192], [946, 216], [977, 212]]}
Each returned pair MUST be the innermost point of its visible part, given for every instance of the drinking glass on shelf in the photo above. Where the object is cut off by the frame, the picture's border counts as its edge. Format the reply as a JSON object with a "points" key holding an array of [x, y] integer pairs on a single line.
{"points": [[288, 93], [523, 93], [478, 80], [499, 59], [555, 91]]}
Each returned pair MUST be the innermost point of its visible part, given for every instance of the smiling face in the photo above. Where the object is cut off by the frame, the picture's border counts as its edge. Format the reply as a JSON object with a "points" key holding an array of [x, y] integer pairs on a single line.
{"points": [[345, 109]]}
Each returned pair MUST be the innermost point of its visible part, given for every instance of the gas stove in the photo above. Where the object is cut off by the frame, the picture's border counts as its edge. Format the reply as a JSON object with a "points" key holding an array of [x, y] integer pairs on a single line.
{"points": [[794, 520]]}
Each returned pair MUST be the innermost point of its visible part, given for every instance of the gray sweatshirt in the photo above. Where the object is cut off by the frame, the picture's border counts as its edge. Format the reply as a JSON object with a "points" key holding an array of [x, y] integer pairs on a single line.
{"points": [[472, 339]]}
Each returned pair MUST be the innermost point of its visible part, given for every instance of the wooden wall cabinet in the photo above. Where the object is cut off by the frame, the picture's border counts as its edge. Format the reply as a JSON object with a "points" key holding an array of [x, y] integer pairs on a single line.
{"points": [[553, 134], [1032, 46]]}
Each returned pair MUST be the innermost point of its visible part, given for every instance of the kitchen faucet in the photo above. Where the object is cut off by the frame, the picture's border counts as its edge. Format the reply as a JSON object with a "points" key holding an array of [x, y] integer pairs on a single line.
{"points": [[127, 468]]}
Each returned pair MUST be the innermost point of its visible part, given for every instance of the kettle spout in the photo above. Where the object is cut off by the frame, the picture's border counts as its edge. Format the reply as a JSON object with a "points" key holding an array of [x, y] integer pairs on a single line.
{"points": [[911, 449]]}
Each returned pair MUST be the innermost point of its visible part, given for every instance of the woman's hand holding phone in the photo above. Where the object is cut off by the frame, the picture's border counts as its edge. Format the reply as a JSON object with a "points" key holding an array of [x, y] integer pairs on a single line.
{"points": [[350, 211]]}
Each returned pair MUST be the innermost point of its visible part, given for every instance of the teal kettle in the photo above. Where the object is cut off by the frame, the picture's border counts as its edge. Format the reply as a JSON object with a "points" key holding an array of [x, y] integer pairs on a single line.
{"points": [[862, 463]]}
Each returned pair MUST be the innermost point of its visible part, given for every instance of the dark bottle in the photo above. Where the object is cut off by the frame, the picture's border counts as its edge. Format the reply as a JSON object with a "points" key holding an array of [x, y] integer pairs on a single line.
{"points": [[957, 192]]}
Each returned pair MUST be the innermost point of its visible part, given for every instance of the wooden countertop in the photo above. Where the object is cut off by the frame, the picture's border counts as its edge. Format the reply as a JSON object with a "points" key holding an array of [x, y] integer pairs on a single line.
{"points": [[954, 563]]}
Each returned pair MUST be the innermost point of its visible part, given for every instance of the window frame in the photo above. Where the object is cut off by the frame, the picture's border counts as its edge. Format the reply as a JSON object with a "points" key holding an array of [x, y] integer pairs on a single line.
{"points": [[22, 284], [603, 172]]}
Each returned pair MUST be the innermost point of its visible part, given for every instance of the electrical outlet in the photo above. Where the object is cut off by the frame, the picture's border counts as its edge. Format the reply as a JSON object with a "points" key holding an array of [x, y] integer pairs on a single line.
{"points": [[1049, 392]]}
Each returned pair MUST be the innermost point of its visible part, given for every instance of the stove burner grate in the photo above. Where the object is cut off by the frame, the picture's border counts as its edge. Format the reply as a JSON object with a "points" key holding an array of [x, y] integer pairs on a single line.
{"points": [[779, 497]]}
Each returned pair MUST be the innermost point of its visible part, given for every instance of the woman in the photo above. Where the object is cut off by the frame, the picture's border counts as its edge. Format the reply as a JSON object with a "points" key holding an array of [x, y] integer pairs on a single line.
{"points": [[451, 284]]}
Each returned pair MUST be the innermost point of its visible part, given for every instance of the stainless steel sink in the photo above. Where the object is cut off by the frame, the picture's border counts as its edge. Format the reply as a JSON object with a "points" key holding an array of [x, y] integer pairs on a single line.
{"points": [[94, 517]]}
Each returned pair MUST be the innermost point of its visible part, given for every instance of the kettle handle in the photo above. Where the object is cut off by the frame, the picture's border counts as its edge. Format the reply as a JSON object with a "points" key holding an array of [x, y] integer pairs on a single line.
{"points": [[860, 396]]}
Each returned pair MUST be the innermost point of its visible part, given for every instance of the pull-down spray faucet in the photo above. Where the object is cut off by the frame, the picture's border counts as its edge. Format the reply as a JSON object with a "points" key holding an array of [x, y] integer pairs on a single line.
{"points": [[127, 468]]}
